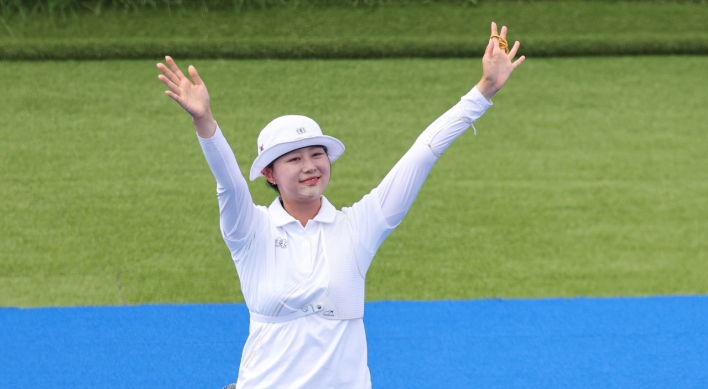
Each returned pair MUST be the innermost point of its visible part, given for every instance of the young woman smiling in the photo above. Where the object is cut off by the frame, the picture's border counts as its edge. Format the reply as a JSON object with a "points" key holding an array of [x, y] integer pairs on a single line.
{"points": [[301, 176], [302, 263]]}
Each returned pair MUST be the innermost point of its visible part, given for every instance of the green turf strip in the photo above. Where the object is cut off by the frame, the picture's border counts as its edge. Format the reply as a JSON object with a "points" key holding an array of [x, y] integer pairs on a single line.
{"points": [[588, 177], [422, 30]]}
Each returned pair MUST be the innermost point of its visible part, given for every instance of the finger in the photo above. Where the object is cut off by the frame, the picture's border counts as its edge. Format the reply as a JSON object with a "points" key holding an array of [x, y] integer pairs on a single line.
{"points": [[512, 52], [519, 61], [195, 76], [175, 68], [169, 84], [173, 97], [167, 72], [503, 32], [490, 49], [495, 40]]}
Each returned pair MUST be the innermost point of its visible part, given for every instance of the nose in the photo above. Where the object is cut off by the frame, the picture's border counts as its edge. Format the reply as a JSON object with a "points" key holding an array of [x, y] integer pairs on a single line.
{"points": [[308, 165]]}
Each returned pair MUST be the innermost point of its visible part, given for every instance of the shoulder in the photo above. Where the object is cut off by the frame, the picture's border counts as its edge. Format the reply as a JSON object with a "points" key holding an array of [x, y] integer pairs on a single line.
{"points": [[366, 216], [260, 229], [369, 205]]}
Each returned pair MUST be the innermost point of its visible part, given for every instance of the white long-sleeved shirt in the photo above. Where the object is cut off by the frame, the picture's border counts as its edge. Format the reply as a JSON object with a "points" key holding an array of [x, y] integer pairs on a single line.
{"points": [[281, 269]]}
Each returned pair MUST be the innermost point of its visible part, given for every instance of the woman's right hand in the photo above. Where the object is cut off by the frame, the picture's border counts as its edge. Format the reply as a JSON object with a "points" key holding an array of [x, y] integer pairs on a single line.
{"points": [[193, 97]]}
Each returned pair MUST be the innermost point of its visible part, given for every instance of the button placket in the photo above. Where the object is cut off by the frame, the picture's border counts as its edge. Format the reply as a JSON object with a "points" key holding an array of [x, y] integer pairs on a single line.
{"points": [[306, 251]]}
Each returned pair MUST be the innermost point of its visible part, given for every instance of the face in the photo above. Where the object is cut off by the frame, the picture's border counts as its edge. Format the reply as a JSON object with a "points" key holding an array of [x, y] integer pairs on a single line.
{"points": [[301, 175]]}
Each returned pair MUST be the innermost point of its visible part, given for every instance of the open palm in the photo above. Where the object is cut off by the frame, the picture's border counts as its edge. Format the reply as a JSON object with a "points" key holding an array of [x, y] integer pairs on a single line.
{"points": [[497, 65], [193, 97]]}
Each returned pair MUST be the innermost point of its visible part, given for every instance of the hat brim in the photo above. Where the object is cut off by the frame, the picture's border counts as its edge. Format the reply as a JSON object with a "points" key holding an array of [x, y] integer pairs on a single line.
{"points": [[335, 149]]}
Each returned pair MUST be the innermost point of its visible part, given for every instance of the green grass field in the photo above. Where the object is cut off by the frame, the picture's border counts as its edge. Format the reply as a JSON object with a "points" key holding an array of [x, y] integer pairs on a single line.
{"points": [[440, 29], [534, 19], [588, 177]]}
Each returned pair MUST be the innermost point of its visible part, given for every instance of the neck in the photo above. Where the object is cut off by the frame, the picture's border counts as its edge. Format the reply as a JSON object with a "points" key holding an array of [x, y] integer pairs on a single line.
{"points": [[302, 211]]}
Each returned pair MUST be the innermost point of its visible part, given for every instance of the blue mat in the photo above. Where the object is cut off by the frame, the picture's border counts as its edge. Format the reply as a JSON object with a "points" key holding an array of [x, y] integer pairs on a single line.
{"points": [[657, 342]]}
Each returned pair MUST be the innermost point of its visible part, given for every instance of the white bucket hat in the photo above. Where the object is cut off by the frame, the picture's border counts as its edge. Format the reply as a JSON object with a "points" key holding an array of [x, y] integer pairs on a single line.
{"points": [[288, 133]]}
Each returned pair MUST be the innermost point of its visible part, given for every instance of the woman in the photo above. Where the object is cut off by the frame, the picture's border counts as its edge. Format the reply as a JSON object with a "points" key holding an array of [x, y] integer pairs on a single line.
{"points": [[302, 263]]}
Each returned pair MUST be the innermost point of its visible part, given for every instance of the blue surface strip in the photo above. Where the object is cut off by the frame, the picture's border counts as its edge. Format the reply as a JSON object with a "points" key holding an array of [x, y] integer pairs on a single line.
{"points": [[652, 342]]}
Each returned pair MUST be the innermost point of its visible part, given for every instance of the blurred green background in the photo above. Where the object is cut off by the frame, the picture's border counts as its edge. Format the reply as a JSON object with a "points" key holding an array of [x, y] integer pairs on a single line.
{"points": [[341, 29]]}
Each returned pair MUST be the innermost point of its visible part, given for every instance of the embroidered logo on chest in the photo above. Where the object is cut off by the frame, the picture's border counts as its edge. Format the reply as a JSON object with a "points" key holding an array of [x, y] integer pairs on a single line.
{"points": [[281, 243]]}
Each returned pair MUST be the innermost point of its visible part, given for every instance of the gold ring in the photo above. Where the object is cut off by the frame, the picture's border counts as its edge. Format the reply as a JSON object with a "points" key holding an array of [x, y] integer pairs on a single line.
{"points": [[503, 44]]}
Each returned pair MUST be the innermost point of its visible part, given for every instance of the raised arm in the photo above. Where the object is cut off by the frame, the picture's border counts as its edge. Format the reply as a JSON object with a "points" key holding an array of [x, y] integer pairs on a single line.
{"points": [[402, 184], [236, 207]]}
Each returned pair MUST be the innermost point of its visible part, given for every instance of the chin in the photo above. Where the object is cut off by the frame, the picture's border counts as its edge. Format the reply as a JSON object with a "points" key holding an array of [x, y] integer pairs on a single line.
{"points": [[310, 191]]}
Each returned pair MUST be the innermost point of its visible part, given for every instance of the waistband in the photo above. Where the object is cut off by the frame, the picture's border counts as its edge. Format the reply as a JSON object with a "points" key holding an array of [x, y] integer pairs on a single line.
{"points": [[304, 311]]}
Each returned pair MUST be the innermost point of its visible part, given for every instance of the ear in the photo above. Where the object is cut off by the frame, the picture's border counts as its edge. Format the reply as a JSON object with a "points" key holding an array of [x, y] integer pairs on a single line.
{"points": [[268, 173]]}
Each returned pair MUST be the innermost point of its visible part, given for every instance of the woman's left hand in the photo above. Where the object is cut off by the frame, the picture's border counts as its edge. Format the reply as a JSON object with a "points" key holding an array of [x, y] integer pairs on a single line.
{"points": [[497, 65]]}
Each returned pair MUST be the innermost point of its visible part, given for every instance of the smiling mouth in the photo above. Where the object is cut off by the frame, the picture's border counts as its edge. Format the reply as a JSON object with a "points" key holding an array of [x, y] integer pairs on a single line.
{"points": [[310, 181]]}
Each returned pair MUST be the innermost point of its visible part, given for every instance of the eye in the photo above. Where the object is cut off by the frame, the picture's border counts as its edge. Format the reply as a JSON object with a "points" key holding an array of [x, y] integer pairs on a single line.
{"points": [[294, 159]]}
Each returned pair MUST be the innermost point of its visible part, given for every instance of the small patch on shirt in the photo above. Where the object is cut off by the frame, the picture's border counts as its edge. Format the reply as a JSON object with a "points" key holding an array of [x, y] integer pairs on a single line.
{"points": [[281, 243]]}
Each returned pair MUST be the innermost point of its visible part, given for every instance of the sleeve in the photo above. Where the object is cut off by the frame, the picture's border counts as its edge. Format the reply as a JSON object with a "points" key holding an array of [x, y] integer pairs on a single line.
{"points": [[370, 227], [402, 184], [236, 209]]}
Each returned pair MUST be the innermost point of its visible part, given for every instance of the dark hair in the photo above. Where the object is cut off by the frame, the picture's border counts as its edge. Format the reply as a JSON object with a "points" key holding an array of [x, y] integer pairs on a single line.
{"points": [[270, 166]]}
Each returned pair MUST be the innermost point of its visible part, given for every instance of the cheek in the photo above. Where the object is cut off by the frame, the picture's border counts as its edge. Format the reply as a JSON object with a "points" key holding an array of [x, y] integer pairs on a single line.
{"points": [[281, 172], [326, 171]]}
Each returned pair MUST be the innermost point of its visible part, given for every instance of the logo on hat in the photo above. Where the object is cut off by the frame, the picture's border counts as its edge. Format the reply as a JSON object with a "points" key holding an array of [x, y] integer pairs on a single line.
{"points": [[260, 148], [301, 130]]}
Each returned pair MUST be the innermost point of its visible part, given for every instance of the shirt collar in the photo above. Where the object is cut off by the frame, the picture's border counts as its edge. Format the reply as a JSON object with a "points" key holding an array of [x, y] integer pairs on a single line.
{"points": [[281, 217]]}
